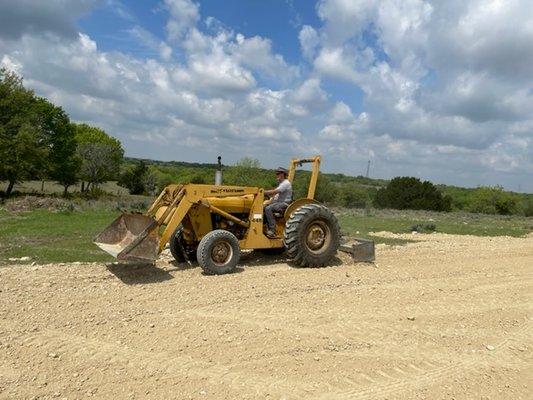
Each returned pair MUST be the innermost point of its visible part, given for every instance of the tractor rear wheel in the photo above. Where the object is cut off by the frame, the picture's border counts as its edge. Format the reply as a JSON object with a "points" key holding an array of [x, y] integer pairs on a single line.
{"points": [[218, 252], [178, 246], [312, 236]]}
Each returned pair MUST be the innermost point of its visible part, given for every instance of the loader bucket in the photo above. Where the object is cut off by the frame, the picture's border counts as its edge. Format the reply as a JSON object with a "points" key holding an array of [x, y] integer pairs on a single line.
{"points": [[131, 237]]}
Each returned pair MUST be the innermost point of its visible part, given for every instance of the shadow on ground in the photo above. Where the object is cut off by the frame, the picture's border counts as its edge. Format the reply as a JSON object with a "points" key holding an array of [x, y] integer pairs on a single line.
{"points": [[139, 274], [259, 258]]}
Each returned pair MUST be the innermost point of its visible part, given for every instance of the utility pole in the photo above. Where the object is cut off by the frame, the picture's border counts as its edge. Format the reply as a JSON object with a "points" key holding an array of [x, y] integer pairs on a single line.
{"points": [[368, 169]]}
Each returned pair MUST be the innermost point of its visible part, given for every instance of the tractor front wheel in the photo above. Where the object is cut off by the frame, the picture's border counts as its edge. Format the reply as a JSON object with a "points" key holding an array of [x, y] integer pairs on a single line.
{"points": [[218, 252], [312, 236]]}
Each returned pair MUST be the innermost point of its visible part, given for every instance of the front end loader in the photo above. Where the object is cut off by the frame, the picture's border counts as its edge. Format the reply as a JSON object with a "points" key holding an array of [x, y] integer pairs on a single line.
{"points": [[212, 223]]}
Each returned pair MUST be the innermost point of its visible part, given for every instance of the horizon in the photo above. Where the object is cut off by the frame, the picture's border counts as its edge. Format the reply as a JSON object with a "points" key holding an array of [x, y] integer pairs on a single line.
{"points": [[214, 163], [439, 91]]}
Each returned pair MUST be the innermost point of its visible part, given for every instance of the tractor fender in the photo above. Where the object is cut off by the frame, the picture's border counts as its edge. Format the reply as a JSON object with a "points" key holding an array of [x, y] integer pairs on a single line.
{"points": [[296, 204]]}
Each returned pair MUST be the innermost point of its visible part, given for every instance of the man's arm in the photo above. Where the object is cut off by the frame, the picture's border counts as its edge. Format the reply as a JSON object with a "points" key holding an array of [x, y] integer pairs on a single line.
{"points": [[272, 192], [283, 186]]}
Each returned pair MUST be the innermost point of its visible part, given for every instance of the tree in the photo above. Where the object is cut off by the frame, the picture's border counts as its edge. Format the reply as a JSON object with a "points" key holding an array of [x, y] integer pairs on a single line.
{"points": [[139, 179], [101, 155], [63, 162], [326, 192], [23, 151], [248, 162], [410, 193], [21, 155], [353, 195], [528, 208], [492, 200], [245, 172]]}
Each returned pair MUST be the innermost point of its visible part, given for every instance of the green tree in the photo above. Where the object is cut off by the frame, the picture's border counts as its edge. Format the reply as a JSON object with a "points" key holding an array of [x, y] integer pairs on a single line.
{"points": [[138, 179], [23, 151], [63, 162], [410, 193], [248, 162], [22, 156], [528, 208], [326, 192], [353, 196], [101, 155], [246, 172], [492, 200]]}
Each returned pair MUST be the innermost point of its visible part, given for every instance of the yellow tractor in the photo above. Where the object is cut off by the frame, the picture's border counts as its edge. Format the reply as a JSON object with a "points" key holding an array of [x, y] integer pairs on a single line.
{"points": [[212, 223]]}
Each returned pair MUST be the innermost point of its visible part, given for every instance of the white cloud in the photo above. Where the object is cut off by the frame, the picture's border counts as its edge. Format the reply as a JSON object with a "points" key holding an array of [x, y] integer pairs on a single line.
{"points": [[149, 40], [256, 53], [19, 17], [447, 86], [184, 14], [309, 41]]}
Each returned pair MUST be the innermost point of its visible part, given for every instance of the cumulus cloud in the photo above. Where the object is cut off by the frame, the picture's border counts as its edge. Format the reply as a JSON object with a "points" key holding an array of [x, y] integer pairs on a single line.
{"points": [[18, 17], [184, 14], [309, 41], [208, 101], [449, 75], [447, 91]]}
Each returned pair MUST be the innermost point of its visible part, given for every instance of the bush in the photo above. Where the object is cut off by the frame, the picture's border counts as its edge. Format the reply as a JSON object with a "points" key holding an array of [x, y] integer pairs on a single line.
{"points": [[139, 179], [94, 193], [163, 180], [326, 192], [410, 193], [198, 179], [492, 200], [423, 228], [354, 196], [528, 209]]}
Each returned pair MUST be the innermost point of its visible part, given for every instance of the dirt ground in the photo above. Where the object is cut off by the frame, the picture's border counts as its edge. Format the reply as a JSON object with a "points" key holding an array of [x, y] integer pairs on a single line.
{"points": [[446, 317]]}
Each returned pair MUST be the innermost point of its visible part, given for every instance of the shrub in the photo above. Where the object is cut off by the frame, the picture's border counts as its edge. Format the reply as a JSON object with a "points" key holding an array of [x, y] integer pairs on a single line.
{"points": [[410, 193], [354, 196], [326, 192], [423, 228], [492, 200], [94, 193], [528, 209], [198, 179], [139, 179]]}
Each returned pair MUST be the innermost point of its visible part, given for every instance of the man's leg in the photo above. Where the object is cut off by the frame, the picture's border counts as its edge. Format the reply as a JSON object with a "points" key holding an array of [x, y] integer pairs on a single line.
{"points": [[269, 214]]}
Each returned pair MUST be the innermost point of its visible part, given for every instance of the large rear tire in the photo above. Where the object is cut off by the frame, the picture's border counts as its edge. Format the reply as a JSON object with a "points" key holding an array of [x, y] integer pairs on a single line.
{"points": [[218, 252], [312, 236]]}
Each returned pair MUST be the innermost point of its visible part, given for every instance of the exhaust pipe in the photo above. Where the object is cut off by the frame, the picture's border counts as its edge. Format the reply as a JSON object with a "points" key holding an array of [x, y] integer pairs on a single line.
{"points": [[218, 172]]}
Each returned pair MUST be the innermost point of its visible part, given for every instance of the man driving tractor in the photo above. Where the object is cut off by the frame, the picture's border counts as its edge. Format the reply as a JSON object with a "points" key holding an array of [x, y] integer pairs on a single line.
{"points": [[279, 203]]}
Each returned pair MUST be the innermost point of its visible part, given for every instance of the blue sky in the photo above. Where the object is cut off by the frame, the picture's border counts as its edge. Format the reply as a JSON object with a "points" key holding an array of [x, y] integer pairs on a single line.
{"points": [[279, 20], [438, 90]]}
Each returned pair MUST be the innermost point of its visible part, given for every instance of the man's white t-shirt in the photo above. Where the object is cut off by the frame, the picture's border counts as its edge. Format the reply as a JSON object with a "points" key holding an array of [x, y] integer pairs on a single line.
{"points": [[285, 192]]}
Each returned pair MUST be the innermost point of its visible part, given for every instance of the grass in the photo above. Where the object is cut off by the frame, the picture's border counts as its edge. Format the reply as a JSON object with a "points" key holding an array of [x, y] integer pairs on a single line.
{"points": [[361, 223], [66, 236], [48, 236]]}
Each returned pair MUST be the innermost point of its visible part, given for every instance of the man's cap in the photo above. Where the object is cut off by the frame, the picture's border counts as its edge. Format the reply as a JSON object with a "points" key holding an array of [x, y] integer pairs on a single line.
{"points": [[281, 169]]}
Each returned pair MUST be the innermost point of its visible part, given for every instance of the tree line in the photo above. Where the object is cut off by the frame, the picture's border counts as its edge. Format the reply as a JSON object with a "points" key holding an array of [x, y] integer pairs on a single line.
{"points": [[336, 189], [38, 141]]}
